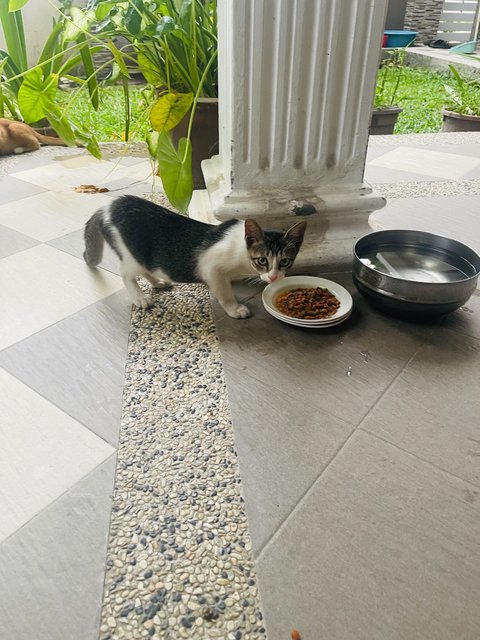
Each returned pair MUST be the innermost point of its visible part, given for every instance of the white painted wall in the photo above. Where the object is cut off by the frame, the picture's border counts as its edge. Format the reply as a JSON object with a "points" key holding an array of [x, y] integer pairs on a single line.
{"points": [[37, 18]]}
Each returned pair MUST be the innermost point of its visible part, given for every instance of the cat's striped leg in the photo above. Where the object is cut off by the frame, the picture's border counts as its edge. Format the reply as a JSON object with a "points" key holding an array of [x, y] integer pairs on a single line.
{"points": [[158, 279], [221, 287]]}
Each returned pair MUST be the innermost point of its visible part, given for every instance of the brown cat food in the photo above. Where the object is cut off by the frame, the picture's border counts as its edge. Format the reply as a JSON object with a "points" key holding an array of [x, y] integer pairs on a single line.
{"points": [[309, 303], [295, 635]]}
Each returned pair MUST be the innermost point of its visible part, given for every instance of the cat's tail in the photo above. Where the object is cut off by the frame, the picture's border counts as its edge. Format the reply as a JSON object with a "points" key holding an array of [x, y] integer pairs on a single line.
{"points": [[94, 240], [49, 140]]}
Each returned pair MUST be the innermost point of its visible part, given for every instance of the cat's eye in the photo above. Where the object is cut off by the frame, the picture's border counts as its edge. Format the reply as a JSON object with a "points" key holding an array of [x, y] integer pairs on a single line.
{"points": [[262, 262], [284, 263]]}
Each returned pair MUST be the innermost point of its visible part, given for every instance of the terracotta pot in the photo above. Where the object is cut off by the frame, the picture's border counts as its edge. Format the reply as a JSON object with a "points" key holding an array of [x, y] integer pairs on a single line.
{"points": [[453, 121], [383, 120], [204, 136]]}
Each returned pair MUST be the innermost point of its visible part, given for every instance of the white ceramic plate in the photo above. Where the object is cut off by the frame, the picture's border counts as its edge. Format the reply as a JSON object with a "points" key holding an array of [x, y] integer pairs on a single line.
{"points": [[293, 322], [293, 282], [300, 323]]}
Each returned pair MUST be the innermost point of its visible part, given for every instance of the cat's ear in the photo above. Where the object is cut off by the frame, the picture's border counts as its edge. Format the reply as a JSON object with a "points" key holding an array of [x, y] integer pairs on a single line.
{"points": [[253, 232], [295, 234]]}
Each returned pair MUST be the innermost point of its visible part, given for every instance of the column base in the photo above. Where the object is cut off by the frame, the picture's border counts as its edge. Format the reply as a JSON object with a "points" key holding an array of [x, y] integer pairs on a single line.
{"points": [[336, 215]]}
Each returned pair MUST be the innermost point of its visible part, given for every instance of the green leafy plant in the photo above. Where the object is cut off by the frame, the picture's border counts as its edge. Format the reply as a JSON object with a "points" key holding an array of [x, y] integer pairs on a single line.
{"points": [[463, 96], [174, 46], [30, 94], [388, 79]]}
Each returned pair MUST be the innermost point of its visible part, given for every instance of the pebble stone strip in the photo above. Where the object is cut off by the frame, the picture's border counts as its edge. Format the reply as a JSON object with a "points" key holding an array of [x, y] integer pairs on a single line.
{"points": [[179, 559], [434, 189]]}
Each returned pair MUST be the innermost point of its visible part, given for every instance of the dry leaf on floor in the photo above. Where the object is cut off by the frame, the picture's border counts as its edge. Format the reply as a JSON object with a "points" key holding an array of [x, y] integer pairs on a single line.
{"points": [[90, 188]]}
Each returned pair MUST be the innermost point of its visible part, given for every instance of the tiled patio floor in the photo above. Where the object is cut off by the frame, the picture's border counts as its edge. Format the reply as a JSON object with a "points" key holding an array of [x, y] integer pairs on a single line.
{"points": [[362, 491]]}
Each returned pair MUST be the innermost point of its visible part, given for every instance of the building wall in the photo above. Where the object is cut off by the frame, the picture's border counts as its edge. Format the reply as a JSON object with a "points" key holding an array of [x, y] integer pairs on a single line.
{"points": [[37, 18], [423, 16], [396, 14]]}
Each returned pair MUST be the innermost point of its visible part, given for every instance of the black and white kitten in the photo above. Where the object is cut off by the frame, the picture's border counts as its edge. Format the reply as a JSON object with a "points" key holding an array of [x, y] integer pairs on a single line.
{"points": [[166, 247]]}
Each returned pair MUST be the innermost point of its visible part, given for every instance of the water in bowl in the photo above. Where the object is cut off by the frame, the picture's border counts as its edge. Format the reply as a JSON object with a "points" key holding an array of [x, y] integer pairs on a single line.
{"points": [[415, 264]]}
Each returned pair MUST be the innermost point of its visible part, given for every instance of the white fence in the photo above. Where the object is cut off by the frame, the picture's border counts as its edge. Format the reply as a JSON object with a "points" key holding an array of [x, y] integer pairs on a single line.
{"points": [[459, 20]]}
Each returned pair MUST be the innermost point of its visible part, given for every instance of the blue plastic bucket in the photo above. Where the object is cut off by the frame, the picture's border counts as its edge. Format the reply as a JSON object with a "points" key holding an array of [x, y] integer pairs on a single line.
{"points": [[400, 38]]}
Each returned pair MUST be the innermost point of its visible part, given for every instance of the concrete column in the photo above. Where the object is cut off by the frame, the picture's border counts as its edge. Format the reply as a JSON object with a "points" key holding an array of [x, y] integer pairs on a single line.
{"points": [[296, 85]]}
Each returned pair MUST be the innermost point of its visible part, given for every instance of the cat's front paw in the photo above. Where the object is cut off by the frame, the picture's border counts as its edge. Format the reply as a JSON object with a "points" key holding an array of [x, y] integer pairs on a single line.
{"points": [[240, 311], [143, 302]]}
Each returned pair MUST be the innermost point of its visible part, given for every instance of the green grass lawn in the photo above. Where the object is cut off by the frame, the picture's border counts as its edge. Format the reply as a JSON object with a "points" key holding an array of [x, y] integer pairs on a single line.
{"points": [[421, 95], [108, 123]]}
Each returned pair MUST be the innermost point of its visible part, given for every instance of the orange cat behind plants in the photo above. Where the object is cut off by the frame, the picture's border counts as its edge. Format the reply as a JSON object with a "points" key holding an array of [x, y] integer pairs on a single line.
{"points": [[18, 137]]}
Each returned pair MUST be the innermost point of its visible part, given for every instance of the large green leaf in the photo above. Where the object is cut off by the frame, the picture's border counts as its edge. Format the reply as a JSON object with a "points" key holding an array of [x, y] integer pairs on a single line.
{"points": [[165, 25], [36, 94], [90, 142], [175, 169], [11, 25], [150, 71], [11, 70], [49, 48], [79, 22], [103, 10], [133, 18], [15, 5], [60, 124], [89, 70], [169, 110], [118, 59], [152, 143]]}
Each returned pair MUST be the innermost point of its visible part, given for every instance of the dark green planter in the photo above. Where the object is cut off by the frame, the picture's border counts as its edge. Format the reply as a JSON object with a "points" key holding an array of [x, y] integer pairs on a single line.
{"points": [[383, 121], [453, 121]]}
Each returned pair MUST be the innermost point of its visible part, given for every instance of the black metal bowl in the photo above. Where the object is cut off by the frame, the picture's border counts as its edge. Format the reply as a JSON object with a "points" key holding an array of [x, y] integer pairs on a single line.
{"points": [[414, 273]]}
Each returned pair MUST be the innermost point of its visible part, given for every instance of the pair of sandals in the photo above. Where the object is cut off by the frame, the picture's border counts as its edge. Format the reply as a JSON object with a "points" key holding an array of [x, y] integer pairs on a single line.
{"points": [[439, 44]]}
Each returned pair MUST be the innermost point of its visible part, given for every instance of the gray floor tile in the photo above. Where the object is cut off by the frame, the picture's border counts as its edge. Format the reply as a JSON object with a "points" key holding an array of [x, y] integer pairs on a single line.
{"points": [[467, 318], [11, 242], [376, 152], [74, 244], [14, 189], [78, 364], [435, 215], [315, 363], [379, 175], [433, 407], [471, 150], [384, 547], [283, 443], [52, 570], [35, 159]]}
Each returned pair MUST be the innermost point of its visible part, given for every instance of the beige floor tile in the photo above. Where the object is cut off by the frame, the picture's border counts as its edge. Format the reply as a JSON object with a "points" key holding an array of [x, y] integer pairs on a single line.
{"points": [[51, 571], [67, 174], [44, 453], [42, 285], [70, 173], [448, 166], [51, 214]]}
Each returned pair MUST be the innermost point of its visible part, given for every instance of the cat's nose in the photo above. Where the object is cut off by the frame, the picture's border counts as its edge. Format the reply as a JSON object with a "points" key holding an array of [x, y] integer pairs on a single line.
{"points": [[273, 277]]}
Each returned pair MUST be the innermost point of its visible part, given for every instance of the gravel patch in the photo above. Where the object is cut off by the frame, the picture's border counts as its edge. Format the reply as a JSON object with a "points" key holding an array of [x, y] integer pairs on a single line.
{"points": [[461, 137], [426, 189], [179, 561]]}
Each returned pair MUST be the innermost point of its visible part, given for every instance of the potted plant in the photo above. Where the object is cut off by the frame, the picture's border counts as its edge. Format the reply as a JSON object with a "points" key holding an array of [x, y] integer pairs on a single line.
{"points": [[29, 93], [175, 45], [385, 110], [462, 106]]}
